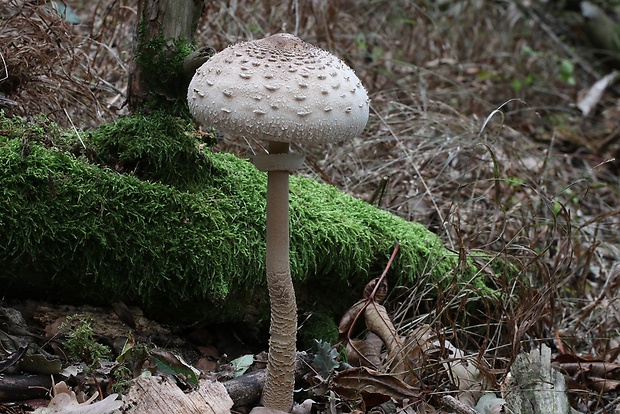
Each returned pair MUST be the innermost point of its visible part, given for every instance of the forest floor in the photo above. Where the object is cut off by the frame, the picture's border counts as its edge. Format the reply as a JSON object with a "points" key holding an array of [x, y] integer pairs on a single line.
{"points": [[481, 128]]}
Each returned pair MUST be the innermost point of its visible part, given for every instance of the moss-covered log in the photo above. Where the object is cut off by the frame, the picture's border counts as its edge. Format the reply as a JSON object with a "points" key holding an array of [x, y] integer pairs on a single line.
{"points": [[73, 228]]}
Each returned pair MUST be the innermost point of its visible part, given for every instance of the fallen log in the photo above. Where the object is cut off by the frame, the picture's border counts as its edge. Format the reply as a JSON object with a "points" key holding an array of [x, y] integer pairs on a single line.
{"points": [[246, 390], [24, 387]]}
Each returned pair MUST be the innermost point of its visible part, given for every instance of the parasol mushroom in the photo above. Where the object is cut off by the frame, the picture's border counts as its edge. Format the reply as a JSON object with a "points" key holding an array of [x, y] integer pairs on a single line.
{"points": [[282, 90]]}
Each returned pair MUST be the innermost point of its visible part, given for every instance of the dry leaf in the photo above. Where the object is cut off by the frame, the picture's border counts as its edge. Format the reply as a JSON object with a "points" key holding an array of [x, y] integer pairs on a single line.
{"points": [[354, 312], [594, 373], [381, 333], [350, 317], [593, 96], [573, 365], [602, 385], [379, 322], [372, 386], [65, 402], [380, 292], [464, 374], [363, 353]]}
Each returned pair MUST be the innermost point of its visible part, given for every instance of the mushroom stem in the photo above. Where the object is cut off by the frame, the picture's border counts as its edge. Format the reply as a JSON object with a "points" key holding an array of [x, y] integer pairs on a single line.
{"points": [[278, 390]]}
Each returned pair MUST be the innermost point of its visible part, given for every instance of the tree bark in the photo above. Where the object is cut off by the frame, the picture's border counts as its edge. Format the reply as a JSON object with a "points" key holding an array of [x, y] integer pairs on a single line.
{"points": [[166, 19]]}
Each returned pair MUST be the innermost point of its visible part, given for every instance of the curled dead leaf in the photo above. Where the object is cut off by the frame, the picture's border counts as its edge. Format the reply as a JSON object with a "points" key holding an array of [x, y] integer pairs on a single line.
{"points": [[371, 386], [593, 373], [349, 318], [363, 353], [380, 292], [418, 342], [65, 401], [367, 352], [379, 322]]}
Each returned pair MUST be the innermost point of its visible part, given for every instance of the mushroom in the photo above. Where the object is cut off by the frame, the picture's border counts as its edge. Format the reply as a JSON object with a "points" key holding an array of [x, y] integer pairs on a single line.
{"points": [[282, 90]]}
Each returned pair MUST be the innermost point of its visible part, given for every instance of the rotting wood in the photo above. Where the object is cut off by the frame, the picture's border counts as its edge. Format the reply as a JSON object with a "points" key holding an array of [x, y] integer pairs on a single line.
{"points": [[160, 395], [535, 387], [460, 408], [24, 387], [246, 389]]}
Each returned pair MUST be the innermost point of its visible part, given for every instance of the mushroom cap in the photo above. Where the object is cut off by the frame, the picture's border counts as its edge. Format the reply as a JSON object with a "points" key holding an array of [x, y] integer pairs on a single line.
{"points": [[279, 89]]}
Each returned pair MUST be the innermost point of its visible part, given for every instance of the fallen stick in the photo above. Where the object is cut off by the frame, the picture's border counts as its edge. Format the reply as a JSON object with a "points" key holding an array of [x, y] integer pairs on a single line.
{"points": [[24, 387]]}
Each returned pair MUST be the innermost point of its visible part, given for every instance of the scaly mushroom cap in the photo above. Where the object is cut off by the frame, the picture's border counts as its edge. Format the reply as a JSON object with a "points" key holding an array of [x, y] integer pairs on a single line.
{"points": [[279, 89]]}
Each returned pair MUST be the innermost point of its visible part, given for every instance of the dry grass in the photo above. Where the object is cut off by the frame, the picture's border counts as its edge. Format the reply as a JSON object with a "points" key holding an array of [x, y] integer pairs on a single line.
{"points": [[473, 132], [63, 71]]}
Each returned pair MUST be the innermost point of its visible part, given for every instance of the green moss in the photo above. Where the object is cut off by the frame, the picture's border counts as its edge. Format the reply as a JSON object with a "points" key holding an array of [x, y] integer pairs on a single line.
{"points": [[162, 63], [41, 130], [318, 326], [72, 229], [157, 147]]}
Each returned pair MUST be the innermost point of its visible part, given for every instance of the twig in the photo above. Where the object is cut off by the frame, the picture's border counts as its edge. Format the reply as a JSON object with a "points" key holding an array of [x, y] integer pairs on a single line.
{"points": [[371, 297], [451, 402], [7, 102], [599, 217], [74, 128], [387, 267], [6, 68]]}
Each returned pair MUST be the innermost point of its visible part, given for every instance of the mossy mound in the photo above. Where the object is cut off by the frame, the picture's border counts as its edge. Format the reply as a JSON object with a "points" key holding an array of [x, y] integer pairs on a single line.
{"points": [[183, 246], [158, 147]]}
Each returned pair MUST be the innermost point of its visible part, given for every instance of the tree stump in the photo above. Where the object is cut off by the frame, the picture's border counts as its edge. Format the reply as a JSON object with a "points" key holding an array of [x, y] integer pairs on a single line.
{"points": [[535, 387]]}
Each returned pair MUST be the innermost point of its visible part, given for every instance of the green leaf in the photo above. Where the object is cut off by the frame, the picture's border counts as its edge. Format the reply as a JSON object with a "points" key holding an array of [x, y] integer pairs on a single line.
{"points": [[125, 353], [240, 365], [188, 374], [325, 359], [567, 70]]}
